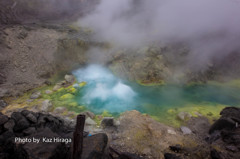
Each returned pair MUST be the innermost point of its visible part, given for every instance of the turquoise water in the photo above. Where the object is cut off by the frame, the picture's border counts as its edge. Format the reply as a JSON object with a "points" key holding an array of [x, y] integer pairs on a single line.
{"points": [[104, 91]]}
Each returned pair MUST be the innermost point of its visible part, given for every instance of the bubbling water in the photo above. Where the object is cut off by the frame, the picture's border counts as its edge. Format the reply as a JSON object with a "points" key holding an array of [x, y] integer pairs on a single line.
{"points": [[104, 91]]}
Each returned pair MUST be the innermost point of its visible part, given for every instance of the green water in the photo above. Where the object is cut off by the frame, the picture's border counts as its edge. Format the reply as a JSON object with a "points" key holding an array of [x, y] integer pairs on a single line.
{"points": [[104, 91]]}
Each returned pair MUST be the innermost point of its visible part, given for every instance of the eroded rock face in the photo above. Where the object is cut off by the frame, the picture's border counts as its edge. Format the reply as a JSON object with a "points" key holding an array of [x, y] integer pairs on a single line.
{"points": [[23, 11]]}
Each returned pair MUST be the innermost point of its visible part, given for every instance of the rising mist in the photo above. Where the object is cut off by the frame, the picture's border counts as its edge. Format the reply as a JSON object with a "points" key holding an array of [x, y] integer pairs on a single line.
{"points": [[209, 28]]}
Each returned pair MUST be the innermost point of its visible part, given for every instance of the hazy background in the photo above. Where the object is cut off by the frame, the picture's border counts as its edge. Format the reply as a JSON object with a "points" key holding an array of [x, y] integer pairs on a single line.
{"points": [[210, 28]]}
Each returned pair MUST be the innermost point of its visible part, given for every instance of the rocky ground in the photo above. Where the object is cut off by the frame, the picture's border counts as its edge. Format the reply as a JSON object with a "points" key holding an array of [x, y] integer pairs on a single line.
{"points": [[132, 135]]}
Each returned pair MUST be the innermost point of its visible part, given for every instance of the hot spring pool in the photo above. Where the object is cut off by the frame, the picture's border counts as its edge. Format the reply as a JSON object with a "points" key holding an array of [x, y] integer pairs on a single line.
{"points": [[104, 91]]}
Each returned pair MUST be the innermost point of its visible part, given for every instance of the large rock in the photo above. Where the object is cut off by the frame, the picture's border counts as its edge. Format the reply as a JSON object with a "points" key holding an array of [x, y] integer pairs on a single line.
{"points": [[231, 112], [88, 114], [21, 122], [222, 123], [225, 132], [89, 121], [137, 132]]}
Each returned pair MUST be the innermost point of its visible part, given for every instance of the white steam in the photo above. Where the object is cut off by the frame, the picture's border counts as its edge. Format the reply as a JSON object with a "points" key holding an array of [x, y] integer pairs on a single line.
{"points": [[104, 91], [209, 27]]}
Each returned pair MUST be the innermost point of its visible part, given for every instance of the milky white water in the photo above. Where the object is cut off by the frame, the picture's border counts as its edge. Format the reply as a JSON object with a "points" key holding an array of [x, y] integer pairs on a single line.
{"points": [[104, 91]]}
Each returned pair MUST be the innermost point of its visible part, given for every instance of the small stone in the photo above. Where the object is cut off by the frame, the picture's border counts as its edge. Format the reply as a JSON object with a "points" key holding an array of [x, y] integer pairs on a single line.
{"points": [[89, 121], [185, 130], [59, 110], [3, 119], [184, 116], [46, 106], [56, 87], [30, 100], [69, 78], [48, 92], [35, 95], [107, 122], [172, 132], [117, 123], [3, 104]]}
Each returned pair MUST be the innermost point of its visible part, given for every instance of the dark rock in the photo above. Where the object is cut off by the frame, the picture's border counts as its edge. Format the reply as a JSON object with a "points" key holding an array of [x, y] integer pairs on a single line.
{"points": [[29, 131], [231, 112], [107, 122], [231, 137], [31, 118], [45, 149], [7, 135], [1, 130], [94, 146], [9, 125], [21, 125], [213, 137], [215, 154], [232, 148], [126, 155], [171, 156], [17, 116], [3, 119], [55, 124], [176, 148], [222, 123]]}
